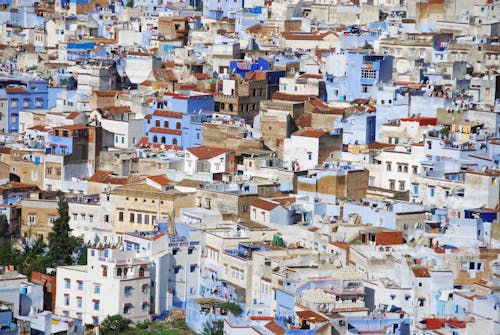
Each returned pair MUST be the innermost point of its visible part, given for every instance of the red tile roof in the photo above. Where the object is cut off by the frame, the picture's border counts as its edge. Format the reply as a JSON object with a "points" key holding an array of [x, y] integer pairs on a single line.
{"points": [[423, 121], [421, 272], [264, 204], [311, 76], [15, 90], [292, 97], [39, 128], [160, 179], [72, 115], [107, 177], [143, 143], [115, 110], [165, 131], [5, 150], [206, 152], [164, 113], [108, 93], [317, 133], [275, 328], [311, 316], [305, 120], [296, 36]]}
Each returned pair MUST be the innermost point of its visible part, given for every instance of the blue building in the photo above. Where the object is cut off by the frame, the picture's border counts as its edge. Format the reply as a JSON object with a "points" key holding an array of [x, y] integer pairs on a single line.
{"points": [[66, 140], [363, 71], [219, 9], [22, 94], [177, 119], [357, 128], [378, 326], [242, 67]]}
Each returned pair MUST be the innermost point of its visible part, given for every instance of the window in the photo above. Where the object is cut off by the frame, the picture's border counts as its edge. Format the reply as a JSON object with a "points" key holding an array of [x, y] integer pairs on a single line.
{"points": [[80, 285], [79, 302], [165, 124], [401, 185], [132, 217], [66, 300], [51, 220], [105, 271], [91, 218], [177, 125], [388, 166], [309, 156], [120, 216], [392, 185], [432, 191], [139, 218], [126, 308], [370, 74], [96, 304], [31, 219], [400, 168], [144, 289], [141, 272], [144, 305], [83, 216], [128, 291], [67, 283], [106, 218], [97, 289], [415, 189], [146, 219], [414, 169], [190, 250], [95, 320]]}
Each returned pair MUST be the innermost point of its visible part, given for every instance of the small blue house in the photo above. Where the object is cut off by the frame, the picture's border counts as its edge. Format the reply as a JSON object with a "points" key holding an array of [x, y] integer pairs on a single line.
{"points": [[23, 94], [177, 119]]}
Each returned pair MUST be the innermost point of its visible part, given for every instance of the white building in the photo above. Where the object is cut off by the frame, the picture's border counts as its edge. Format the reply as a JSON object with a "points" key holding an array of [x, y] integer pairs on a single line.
{"points": [[112, 282]]}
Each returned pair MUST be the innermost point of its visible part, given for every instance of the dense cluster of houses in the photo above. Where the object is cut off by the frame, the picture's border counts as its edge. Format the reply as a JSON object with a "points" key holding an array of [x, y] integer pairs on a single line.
{"points": [[329, 166]]}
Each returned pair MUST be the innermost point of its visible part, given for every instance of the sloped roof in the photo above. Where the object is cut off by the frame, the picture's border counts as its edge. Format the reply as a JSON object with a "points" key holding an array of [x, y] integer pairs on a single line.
{"points": [[421, 272], [275, 328], [160, 179], [107, 177], [164, 113], [264, 204], [205, 152], [317, 133]]}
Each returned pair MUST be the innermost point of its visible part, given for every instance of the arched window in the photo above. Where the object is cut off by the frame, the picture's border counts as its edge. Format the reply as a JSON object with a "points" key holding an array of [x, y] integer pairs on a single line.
{"points": [[222, 106], [119, 272], [155, 139], [230, 107], [163, 140], [174, 141], [104, 271], [157, 123], [141, 272]]}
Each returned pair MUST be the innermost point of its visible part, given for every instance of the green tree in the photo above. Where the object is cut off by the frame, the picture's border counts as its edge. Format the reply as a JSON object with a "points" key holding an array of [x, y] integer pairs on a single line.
{"points": [[114, 324], [232, 307], [62, 245], [213, 328], [130, 3], [8, 254]]}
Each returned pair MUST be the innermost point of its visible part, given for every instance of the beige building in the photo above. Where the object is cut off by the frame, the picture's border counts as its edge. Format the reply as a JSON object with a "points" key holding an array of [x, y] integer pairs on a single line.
{"points": [[138, 206], [37, 217]]}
